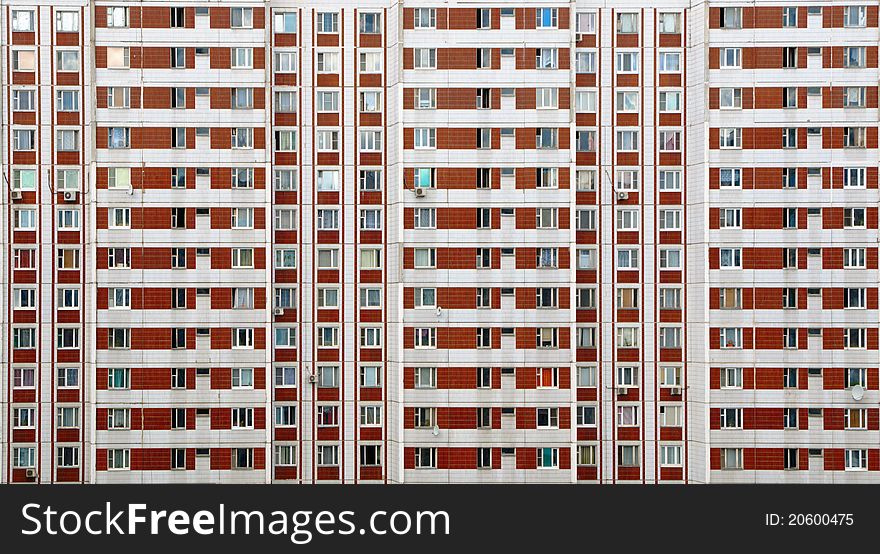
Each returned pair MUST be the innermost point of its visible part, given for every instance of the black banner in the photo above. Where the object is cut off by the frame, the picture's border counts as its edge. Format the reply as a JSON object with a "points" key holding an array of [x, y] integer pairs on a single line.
{"points": [[435, 518]]}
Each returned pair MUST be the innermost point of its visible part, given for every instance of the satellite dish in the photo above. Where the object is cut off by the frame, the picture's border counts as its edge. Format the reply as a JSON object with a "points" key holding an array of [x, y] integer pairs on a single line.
{"points": [[436, 430], [858, 392]]}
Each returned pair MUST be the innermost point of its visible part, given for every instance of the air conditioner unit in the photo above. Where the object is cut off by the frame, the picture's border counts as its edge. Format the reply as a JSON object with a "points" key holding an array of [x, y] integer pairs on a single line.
{"points": [[16, 195], [675, 391], [621, 391], [419, 192], [70, 196], [278, 311], [313, 378], [622, 195], [30, 473]]}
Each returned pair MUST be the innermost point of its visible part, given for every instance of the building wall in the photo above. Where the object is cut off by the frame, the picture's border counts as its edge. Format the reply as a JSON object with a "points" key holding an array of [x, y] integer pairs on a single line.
{"points": [[790, 411], [409, 242]]}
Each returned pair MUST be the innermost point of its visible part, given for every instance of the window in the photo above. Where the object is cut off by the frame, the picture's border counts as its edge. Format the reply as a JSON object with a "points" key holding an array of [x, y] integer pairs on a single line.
{"points": [[67, 140], [669, 23], [370, 258], [285, 219], [327, 337], [243, 337], [628, 456], [789, 16], [328, 22], [731, 418], [730, 298], [425, 98], [548, 458], [67, 456], [118, 97], [328, 376], [627, 62], [327, 62], [23, 457], [424, 137], [243, 298], [328, 258], [670, 101], [731, 337], [670, 337], [854, 218], [424, 18], [546, 18], [424, 258], [118, 57], [585, 22], [24, 219], [370, 102], [178, 58], [24, 298], [730, 98], [285, 180], [67, 101], [117, 16], [670, 298], [855, 16], [425, 58], [854, 137], [586, 142], [854, 56], [731, 377], [285, 22], [730, 258], [585, 101], [856, 459], [370, 62], [627, 416], [585, 62], [68, 258], [670, 258], [23, 100], [670, 141], [118, 418], [670, 219], [669, 62], [425, 377], [242, 58], [120, 137], [547, 337], [370, 23], [731, 218], [371, 337], [546, 58], [425, 457], [546, 138], [23, 377], [854, 258], [731, 58], [22, 21], [670, 455], [730, 18], [371, 375], [627, 22], [547, 98], [241, 18], [547, 418], [242, 458], [285, 61]]}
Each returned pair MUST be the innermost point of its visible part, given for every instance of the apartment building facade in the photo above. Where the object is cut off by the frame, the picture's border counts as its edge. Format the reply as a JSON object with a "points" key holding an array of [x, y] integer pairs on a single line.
{"points": [[382, 242]]}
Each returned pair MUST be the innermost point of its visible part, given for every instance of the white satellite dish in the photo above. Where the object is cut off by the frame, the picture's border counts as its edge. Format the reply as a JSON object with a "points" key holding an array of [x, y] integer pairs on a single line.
{"points": [[858, 392], [436, 430]]}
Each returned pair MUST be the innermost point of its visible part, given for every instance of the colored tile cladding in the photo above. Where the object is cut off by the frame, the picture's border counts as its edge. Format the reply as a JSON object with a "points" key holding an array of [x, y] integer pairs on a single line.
{"points": [[422, 242]]}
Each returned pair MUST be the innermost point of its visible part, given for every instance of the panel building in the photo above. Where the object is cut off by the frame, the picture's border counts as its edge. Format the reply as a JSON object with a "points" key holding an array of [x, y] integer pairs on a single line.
{"points": [[373, 241]]}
